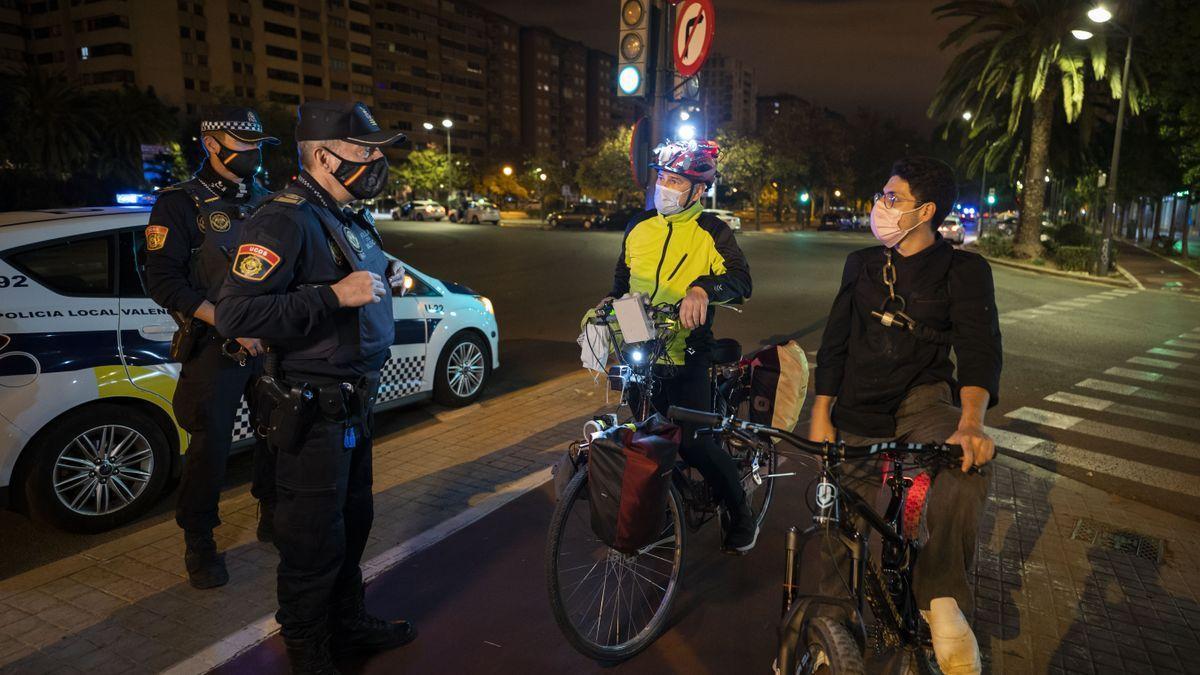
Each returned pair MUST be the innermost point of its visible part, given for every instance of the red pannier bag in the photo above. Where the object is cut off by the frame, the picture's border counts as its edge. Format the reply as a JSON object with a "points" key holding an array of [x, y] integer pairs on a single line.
{"points": [[629, 479]]}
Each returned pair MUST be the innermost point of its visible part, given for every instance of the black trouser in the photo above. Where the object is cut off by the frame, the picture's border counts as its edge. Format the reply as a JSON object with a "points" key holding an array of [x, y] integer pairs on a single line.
{"points": [[322, 520], [690, 387], [207, 398]]}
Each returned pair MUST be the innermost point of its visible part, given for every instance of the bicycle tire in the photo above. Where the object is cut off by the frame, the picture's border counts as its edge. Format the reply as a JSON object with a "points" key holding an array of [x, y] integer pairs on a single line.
{"points": [[767, 489], [828, 649], [658, 621]]}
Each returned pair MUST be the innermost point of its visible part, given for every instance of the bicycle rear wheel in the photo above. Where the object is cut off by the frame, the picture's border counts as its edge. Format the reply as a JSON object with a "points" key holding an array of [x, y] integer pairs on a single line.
{"points": [[610, 605]]}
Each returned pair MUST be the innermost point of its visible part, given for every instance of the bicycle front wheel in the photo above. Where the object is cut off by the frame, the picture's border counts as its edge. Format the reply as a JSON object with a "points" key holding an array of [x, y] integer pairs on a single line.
{"points": [[608, 604]]}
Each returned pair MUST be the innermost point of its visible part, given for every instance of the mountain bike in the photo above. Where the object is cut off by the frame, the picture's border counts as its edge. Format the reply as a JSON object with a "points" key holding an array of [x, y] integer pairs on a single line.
{"points": [[823, 634], [611, 605]]}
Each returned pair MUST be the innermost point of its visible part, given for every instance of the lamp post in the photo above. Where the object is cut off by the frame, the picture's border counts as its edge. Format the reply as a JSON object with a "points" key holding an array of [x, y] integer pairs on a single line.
{"points": [[1100, 14]]}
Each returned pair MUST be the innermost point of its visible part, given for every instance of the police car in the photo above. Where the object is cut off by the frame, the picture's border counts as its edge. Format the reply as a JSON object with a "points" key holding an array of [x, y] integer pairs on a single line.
{"points": [[88, 439]]}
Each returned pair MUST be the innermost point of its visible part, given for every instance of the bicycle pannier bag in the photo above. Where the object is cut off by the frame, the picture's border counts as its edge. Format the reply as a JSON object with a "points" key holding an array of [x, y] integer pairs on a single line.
{"points": [[778, 385], [629, 477]]}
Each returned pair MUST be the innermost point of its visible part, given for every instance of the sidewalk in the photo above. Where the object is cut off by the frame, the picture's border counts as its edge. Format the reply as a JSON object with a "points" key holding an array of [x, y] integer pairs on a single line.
{"points": [[1069, 578], [125, 606], [1156, 272]]}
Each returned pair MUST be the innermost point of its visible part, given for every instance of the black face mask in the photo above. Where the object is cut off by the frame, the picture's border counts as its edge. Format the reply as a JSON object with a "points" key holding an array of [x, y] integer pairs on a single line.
{"points": [[241, 163], [363, 180]]}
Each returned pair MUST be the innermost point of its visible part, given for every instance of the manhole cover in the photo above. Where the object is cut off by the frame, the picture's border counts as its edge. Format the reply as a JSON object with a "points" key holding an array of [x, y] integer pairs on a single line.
{"points": [[1133, 543]]}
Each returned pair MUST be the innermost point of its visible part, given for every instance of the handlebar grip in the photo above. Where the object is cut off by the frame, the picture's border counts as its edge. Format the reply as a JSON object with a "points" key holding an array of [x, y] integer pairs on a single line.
{"points": [[691, 416]]}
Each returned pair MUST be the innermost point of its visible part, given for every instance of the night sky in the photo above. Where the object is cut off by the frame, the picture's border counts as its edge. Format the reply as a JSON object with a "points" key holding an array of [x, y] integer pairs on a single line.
{"points": [[880, 54]]}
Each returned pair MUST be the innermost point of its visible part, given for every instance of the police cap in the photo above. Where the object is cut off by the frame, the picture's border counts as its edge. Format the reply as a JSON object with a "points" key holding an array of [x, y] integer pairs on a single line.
{"points": [[342, 120], [241, 123]]}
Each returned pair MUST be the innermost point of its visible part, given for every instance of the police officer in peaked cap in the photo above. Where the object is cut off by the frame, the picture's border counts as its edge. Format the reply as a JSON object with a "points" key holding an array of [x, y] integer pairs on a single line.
{"points": [[312, 279], [193, 230]]}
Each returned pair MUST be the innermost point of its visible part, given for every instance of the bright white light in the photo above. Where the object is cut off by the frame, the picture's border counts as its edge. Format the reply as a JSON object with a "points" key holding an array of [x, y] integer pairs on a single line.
{"points": [[629, 79], [637, 356], [447, 123], [1081, 34], [542, 176], [837, 193], [967, 115], [508, 171], [1099, 14], [1047, 179], [684, 115], [686, 132], [428, 126]]}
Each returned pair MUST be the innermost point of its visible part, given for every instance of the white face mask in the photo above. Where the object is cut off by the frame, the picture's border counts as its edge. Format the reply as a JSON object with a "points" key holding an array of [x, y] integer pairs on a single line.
{"points": [[669, 201]]}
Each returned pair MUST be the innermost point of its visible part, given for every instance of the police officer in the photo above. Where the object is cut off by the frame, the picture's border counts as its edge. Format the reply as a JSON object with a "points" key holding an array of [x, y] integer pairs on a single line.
{"points": [[193, 229], [308, 278]]}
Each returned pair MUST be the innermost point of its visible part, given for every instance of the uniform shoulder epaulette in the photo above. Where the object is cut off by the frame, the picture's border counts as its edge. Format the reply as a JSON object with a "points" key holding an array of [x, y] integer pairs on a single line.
{"points": [[289, 198]]}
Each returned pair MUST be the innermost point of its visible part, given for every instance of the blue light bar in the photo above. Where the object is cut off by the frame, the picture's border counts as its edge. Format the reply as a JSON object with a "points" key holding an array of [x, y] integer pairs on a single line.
{"points": [[135, 199]]}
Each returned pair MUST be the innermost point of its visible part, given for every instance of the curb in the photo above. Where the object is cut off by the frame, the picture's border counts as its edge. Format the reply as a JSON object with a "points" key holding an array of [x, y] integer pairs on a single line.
{"points": [[1159, 255], [1077, 276]]}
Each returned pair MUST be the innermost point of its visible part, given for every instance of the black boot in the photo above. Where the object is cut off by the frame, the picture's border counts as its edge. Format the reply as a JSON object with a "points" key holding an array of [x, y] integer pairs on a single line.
{"points": [[310, 656], [354, 630], [266, 521], [205, 567], [742, 534]]}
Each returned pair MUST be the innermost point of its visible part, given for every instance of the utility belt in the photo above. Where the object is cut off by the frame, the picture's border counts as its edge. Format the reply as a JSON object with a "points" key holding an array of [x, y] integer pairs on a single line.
{"points": [[193, 334], [287, 410]]}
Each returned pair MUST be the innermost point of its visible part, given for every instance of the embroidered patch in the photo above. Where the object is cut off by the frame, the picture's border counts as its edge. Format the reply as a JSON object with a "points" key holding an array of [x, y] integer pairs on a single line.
{"points": [[201, 224], [156, 237], [352, 239], [219, 221], [289, 198], [254, 262]]}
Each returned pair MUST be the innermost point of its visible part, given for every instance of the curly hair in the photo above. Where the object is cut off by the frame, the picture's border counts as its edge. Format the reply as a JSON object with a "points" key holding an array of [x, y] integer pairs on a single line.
{"points": [[930, 180]]}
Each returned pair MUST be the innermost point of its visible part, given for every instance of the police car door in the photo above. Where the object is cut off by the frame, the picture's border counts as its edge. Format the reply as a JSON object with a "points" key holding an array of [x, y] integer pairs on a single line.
{"points": [[404, 373], [146, 328]]}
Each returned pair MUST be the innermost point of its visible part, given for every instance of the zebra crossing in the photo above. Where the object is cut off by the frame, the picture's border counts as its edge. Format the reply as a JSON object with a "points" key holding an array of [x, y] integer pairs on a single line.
{"points": [[1146, 411], [1060, 306]]}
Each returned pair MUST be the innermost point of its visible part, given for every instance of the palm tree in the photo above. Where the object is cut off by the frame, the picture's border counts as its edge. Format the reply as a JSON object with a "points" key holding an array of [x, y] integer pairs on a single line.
{"points": [[126, 119], [47, 122], [1018, 58]]}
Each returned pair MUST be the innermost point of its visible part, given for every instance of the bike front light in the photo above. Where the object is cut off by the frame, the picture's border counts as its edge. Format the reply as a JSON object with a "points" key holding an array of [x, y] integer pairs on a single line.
{"points": [[637, 356]]}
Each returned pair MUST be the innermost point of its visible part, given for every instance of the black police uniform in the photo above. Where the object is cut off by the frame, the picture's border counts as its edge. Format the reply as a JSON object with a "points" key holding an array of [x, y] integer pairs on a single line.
{"points": [[192, 227]]}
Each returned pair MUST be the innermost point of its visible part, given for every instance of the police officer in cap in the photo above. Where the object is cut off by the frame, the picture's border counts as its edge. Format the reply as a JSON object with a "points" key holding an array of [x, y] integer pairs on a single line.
{"points": [[193, 231], [311, 278]]}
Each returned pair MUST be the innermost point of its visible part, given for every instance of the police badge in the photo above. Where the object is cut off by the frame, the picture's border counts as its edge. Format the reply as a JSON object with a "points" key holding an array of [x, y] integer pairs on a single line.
{"points": [[219, 221]]}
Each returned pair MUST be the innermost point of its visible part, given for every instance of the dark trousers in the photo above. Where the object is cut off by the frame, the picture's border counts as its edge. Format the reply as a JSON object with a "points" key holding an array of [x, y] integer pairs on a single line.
{"points": [[322, 519], [949, 524], [207, 398], [690, 387]]}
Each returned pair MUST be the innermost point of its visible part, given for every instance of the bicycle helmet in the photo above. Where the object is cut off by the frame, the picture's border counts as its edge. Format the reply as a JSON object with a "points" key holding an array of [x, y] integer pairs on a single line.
{"points": [[695, 160]]}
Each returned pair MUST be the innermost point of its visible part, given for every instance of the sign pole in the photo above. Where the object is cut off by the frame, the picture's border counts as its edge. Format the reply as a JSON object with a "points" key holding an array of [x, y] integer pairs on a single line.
{"points": [[663, 77]]}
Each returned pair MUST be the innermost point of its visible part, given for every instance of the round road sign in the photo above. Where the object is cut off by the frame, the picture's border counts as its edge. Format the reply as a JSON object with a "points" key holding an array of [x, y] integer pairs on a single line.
{"points": [[695, 23]]}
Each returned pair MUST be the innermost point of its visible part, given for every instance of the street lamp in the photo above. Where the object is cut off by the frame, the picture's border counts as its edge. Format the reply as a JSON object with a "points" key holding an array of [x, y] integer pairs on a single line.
{"points": [[1099, 14], [967, 115], [542, 177], [837, 193], [507, 171]]}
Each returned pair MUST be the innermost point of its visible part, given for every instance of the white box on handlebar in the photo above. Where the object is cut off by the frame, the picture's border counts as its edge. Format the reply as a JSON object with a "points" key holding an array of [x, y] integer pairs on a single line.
{"points": [[632, 318]]}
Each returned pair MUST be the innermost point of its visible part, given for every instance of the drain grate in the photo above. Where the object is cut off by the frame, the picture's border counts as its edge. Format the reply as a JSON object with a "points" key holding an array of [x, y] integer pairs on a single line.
{"points": [[1133, 543]]}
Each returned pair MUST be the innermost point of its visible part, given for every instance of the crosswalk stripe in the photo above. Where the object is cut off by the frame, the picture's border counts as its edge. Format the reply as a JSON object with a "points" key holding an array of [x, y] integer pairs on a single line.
{"points": [[1143, 439], [1140, 392], [1146, 376], [1183, 343], [1171, 352], [1100, 404], [1158, 363], [1095, 462]]}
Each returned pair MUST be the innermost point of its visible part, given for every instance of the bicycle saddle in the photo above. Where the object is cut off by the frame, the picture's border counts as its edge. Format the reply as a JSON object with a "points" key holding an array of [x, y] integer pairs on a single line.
{"points": [[726, 351]]}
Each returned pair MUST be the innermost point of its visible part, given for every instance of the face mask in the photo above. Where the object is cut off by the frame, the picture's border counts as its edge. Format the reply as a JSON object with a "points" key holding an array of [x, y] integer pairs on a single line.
{"points": [[669, 201], [241, 163], [885, 224], [363, 180]]}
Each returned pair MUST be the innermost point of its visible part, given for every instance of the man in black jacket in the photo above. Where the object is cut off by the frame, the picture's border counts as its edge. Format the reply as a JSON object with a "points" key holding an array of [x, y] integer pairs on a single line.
{"points": [[194, 227], [884, 373]]}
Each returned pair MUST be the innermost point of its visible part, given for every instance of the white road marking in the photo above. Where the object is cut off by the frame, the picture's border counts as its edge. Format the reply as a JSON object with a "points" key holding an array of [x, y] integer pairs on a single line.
{"points": [[1100, 404], [1140, 392], [1142, 439], [1154, 363], [1159, 351], [1146, 376], [1096, 463], [1184, 344]]}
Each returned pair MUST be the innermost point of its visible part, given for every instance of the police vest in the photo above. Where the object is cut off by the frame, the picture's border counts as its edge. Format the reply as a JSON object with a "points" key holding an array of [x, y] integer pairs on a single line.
{"points": [[219, 221], [352, 244]]}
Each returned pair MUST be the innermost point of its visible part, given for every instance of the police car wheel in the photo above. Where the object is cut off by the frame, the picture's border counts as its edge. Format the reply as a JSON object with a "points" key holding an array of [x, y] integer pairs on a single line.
{"points": [[99, 467], [463, 369]]}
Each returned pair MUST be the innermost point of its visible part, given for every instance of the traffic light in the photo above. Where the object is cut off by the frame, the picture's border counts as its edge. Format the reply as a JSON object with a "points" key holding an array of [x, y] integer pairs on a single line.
{"points": [[991, 198], [634, 49]]}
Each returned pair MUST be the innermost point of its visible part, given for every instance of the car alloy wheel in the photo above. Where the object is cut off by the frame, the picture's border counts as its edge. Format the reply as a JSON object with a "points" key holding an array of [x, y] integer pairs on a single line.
{"points": [[465, 369], [103, 470]]}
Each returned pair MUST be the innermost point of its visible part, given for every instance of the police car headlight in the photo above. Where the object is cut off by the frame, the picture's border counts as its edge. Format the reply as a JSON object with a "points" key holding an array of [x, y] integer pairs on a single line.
{"points": [[487, 304]]}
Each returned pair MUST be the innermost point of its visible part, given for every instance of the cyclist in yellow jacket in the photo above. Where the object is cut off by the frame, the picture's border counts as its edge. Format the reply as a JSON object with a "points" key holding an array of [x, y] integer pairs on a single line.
{"points": [[675, 253]]}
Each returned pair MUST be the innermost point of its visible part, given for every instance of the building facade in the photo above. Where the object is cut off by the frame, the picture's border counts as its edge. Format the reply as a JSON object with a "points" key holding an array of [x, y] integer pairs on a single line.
{"points": [[728, 95]]}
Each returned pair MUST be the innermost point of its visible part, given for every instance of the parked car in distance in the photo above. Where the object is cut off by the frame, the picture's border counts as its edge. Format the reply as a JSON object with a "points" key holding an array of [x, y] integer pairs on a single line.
{"points": [[952, 229], [420, 209], [618, 219], [837, 218], [580, 215], [733, 221], [476, 211]]}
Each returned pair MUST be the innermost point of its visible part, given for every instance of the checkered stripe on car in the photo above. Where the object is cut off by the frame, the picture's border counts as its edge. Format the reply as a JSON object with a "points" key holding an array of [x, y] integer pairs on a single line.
{"points": [[242, 428], [400, 377]]}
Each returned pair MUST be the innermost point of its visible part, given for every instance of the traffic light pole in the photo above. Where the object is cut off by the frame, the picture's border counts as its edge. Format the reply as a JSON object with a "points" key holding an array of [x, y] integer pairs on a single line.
{"points": [[663, 84]]}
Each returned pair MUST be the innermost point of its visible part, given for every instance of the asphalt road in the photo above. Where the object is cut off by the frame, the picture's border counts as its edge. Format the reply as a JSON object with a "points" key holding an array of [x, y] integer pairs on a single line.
{"points": [[1140, 442]]}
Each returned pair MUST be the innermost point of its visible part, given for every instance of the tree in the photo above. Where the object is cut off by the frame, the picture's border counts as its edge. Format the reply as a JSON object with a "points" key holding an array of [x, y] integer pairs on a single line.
{"points": [[1019, 56], [47, 128], [424, 172], [125, 120], [746, 164], [604, 173], [499, 186]]}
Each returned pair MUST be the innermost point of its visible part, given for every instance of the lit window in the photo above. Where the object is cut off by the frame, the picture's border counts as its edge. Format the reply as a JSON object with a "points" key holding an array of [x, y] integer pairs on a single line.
{"points": [[83, 53]]}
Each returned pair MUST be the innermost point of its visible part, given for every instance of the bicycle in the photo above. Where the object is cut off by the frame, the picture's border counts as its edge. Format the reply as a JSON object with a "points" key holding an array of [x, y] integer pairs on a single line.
{"points": [[612, 605], [823, 634]]}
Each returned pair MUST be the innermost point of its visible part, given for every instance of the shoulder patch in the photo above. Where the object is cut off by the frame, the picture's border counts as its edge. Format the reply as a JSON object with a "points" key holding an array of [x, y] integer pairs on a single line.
{"points": [[156, 237], [254, 262], [288, 198]]}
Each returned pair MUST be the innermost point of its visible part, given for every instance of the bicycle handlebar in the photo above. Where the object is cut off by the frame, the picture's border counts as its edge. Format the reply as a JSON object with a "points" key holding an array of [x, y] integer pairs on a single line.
{"points": [[843, 451]]}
